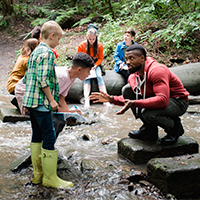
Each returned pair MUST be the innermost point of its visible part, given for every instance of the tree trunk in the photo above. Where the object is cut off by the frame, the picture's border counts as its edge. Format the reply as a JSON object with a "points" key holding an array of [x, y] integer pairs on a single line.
{"points": [[7, 8]]}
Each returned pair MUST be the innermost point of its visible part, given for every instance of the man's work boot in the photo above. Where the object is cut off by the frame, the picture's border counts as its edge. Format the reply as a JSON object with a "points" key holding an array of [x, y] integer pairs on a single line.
{"points": [[173, 134], [146, 132]]}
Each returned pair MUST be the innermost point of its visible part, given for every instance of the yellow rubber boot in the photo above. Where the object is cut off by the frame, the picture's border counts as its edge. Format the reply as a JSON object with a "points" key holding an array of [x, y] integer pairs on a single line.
{"points": [[36, 162], [49, 166]]}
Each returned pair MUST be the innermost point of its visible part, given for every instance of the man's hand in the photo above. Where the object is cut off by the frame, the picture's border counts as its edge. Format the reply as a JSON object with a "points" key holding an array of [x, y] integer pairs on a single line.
{"points": [[100, 97], [128, 103]]}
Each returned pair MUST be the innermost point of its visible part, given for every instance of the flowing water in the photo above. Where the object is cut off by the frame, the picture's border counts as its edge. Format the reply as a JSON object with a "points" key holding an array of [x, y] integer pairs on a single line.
{"points": [[96, 143]]}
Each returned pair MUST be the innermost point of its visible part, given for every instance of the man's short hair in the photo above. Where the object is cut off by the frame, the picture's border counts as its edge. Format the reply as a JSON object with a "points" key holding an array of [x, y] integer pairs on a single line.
{"points": [[82, 60], [50, 27], [138, 48], [131, 32]]}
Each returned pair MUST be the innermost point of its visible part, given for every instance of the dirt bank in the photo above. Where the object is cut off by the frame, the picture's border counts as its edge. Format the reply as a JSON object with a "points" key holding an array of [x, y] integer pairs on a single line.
{"points": [[8, 48]]}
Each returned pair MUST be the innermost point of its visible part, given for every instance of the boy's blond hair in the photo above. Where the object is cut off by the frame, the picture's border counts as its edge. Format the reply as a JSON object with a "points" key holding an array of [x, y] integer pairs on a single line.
{"points": [[50, 27]]}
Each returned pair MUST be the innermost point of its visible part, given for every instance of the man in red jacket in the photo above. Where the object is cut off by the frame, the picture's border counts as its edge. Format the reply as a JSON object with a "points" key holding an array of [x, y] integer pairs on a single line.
{"points": [[155, 95]]}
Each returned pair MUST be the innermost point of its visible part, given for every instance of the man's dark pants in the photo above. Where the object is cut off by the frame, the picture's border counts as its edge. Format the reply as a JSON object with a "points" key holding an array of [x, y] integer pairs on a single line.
{"points": [[164, 117]]}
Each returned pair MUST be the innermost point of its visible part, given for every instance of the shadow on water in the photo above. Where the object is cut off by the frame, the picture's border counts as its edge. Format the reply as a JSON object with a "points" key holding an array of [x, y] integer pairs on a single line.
{"points": [[89, 152]]}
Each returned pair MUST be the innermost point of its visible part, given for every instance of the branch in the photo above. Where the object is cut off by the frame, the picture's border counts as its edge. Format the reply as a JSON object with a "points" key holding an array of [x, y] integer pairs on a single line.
{"points": [[179, 6], [195, 3]]}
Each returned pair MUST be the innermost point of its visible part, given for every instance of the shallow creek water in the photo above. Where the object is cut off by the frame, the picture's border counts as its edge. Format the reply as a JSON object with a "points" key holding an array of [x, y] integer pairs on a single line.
{"points": [[101, 148]]}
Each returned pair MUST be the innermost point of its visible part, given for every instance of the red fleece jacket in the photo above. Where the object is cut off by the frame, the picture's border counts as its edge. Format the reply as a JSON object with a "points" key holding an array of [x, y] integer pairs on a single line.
{"points": [[161, 84]]}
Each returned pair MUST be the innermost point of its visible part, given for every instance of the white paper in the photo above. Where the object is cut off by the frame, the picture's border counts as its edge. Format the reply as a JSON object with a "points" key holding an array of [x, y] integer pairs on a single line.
{"points": [[92, 74]]}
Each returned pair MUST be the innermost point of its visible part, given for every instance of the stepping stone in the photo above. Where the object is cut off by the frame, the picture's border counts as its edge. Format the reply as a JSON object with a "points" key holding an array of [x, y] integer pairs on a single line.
{"points": [[140, 151], [12, 115], [20, 163], [179, 175]]}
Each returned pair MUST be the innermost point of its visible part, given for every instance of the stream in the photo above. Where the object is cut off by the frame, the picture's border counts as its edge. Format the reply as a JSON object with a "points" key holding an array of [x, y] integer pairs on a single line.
{"points": [[90, 153]]}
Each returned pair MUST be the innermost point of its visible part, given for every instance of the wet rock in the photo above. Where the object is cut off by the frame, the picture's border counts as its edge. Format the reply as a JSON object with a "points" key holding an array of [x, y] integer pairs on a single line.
{"points": [[107, 141], [123, 181], [127, 196], [88, 164], [21, 163], [130, 187], [177, 175], [145, 183], [12, 115], [193, 109], [140, 151], [136, 176], [194, 99], [85, 137], [62, 164], [138, 190]]}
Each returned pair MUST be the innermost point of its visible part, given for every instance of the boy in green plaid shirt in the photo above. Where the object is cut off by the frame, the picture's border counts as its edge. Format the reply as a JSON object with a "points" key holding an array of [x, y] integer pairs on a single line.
{"points": [[41, 98]]}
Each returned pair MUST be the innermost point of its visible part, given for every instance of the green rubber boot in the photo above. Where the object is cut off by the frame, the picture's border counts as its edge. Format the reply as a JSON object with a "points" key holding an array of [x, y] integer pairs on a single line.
{"points": [[49, 166], [36, 162]]}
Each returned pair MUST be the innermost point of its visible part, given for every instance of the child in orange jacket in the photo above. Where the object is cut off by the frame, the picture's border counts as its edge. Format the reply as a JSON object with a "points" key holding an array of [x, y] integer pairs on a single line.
{"points": [[92, 47]]}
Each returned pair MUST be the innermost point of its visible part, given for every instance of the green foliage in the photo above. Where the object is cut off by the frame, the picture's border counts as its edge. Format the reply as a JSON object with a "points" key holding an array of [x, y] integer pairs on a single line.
{"points": [[85, 20], [3, 22], [46, 13], [166, 23], [65, 14], [111, 33], [39, 21], [178, 33], [61, 60]]}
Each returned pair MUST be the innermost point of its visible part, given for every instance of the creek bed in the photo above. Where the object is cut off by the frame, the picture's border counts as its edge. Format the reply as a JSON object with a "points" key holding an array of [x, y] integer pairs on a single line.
{"points": [[94, 143]]}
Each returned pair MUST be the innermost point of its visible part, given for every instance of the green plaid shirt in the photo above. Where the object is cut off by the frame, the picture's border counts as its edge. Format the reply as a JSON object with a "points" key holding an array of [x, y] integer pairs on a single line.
{"points": [[40, 74]]}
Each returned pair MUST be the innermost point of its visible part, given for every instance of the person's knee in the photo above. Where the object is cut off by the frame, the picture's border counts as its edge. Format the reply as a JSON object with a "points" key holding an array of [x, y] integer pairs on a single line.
{"points": [[49, 144], [126, 91], [148, 116]]}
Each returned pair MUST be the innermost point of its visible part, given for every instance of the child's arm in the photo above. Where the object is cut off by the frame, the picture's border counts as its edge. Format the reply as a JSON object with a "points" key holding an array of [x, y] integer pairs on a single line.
{"points": [[63, 106], [53, 103]]}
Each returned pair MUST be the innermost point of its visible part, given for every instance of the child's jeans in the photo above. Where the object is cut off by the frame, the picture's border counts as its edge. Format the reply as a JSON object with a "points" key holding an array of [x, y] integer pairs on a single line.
{"points": [[42, 128], [99, 77]]}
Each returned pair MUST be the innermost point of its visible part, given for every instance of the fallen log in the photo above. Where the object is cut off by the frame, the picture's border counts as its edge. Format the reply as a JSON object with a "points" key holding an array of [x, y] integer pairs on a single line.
{"points": [[189, 75]]}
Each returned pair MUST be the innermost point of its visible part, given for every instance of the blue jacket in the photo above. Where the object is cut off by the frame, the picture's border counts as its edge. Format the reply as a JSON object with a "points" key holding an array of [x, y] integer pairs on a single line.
{"points": [[119, 55]]}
